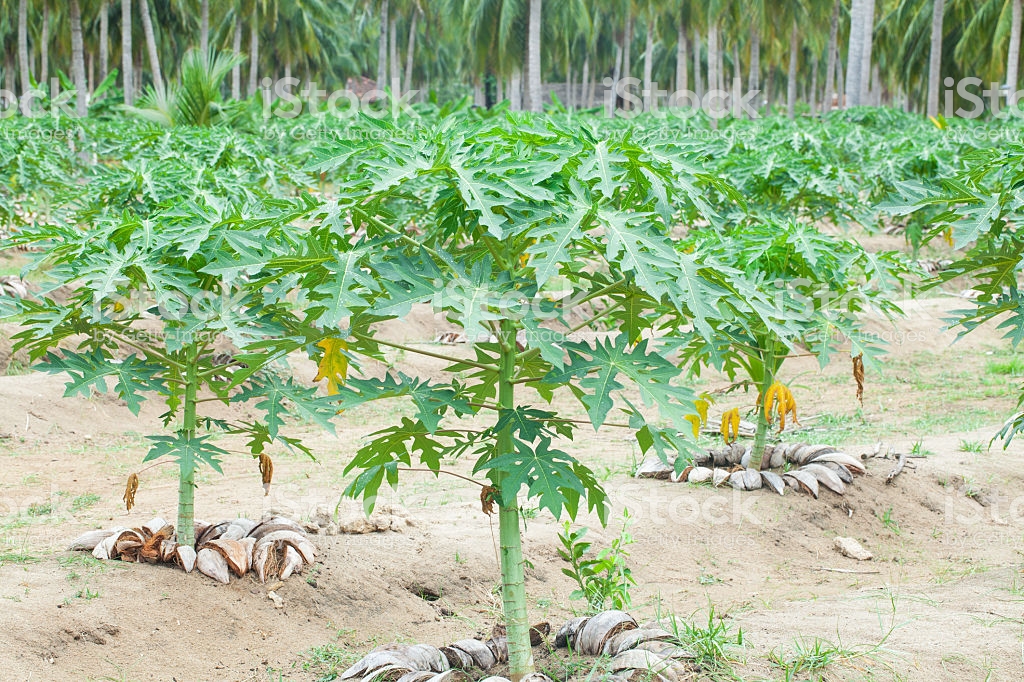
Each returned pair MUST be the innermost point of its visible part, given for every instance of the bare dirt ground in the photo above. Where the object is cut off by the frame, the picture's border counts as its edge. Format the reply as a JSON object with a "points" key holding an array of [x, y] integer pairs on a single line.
{"points": [[943, 598]]}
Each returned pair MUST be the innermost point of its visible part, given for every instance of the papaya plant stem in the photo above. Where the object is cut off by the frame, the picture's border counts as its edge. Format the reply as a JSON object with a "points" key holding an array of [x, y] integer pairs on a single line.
{"points": [[420, 351], [761, 434], [513, 581], [187, 463], [760, 439]]}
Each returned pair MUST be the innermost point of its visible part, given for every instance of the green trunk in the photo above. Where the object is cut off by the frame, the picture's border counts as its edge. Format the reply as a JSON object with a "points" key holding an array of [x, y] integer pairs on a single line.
{"points": [[187, 465], [761, 435], [513, 582], [760, 438]]}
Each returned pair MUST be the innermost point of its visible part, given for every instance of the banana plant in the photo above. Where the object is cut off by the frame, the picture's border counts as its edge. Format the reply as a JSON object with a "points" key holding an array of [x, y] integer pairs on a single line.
{"points": [[796, 291], [147, 308], [523, 233]]}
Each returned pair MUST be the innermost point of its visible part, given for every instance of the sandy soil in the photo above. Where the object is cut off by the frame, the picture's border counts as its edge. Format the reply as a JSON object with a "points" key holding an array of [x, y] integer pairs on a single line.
{"points": [[943, 598]]}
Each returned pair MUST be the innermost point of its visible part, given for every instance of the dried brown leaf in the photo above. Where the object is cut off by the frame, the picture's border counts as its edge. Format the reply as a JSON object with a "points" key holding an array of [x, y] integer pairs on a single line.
{"points": [[487, 497], [129, 492], [267, 471], [858, 375]]}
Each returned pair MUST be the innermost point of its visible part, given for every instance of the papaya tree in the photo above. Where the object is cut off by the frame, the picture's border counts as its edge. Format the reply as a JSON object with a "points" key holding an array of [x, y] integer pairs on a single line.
{"points": [[522, 233], [979, 212], [795, 291], [148, 307]]}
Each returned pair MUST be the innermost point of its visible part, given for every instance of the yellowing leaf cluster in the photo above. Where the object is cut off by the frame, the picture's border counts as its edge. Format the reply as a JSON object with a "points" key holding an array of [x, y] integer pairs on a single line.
{"points": [[701, 418], [731, 425], [780, 401]]}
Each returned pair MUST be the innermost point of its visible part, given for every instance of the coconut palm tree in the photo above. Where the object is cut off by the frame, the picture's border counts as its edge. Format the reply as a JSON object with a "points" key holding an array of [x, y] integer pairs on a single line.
{"points": [[204, 26], [154, 55], [533, 63], [23, 61], [78, 61], [127, 76], [935, 57]]}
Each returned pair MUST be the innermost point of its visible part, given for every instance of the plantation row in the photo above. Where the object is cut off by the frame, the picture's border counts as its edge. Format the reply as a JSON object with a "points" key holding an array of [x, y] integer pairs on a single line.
{"points": [[725, 246]]}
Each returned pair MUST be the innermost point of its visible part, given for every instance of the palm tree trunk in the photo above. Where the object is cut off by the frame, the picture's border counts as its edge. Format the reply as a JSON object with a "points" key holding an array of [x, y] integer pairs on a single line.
{"points": [[23, 64], [500, 95], [876, 86], [9, 70], [611, 106], [254, 51], [814, 84], [236, 71], [865, 56], [382, 46], [791, 76], [854, 52], [737, 80], [104, 40], [204, 26], [681, 58], [698, 86], [154, 56], [627, 41], [840, 81], [935, 57], [1013, 52], [830, 69], [721, 62], [516, 90], [754, 80], [648, 66], [410, 50], [584, 81], [533, 75], [393, 56], [78, 61], [127, 80], [712, 55], [570, 84], [44, 46]]}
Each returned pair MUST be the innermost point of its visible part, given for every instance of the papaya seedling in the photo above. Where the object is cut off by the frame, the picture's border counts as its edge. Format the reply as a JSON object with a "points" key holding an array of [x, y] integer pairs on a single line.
{"points": [[524, 235]]}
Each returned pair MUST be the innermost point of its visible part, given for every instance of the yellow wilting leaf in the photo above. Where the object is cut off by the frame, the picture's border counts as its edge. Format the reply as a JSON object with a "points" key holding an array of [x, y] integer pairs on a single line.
{"points": [[731, 425], [701, 418], [695, 422], [333, 365], [791, 402], [702, 404], [769, 398], [947, 235], [779, 400]]}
